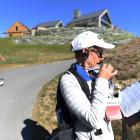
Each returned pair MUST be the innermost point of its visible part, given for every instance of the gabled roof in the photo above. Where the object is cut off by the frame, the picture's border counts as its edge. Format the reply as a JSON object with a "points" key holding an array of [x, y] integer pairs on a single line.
{"points": [[20, 24], [48, 24], [90, 15]]}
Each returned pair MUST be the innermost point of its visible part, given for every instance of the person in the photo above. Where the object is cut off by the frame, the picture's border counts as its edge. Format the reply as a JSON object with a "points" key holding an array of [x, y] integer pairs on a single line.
{"points": [[91, 122]]}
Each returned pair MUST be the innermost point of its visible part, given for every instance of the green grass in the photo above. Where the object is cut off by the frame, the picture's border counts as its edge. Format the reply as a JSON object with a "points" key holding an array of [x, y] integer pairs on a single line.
{"points": [[32, 54]]}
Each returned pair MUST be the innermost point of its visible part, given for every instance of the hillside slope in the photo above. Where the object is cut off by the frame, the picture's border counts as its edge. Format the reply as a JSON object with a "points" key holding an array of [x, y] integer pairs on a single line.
{"points": [[126, 59]]}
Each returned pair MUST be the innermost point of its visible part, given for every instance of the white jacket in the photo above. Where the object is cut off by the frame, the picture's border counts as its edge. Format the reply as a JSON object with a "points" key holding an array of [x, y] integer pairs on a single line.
{"points": [[90, 115]]}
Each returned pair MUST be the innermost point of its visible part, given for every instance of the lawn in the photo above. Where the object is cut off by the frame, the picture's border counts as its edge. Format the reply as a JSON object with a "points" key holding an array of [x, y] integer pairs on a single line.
{"points": [[32, 54]]}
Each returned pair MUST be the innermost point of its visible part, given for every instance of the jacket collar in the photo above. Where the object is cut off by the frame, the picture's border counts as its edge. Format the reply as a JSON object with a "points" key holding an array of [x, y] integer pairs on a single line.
{"points": [[82, 72]]}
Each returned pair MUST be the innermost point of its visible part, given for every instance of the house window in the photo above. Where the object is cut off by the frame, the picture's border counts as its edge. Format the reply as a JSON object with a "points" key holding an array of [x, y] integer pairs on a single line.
{"points": [[104, 24], [60, 25], [106, 18], [16, 28]]}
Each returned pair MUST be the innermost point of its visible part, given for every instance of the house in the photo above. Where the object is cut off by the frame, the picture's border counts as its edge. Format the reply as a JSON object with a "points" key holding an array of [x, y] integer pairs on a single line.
{"points": [[47, 25], [99, 18], [18, 29]]}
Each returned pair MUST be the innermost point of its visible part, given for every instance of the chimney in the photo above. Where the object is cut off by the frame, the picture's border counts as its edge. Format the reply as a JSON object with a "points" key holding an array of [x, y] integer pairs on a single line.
{"points": [[76, 13]]}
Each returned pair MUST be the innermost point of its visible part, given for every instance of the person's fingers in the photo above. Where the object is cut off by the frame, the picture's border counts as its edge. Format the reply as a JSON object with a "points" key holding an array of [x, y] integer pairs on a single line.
{"points": [[104, 65], [114, 73], [109, 68], [107, 71]]}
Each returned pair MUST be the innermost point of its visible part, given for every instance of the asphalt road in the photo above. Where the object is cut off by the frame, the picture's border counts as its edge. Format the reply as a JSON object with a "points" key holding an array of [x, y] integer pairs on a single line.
{"points": [[18, 95]]}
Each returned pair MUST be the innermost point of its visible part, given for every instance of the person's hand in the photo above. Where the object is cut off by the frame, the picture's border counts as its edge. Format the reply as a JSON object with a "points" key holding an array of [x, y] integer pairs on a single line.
{"points": [[106, 72]]}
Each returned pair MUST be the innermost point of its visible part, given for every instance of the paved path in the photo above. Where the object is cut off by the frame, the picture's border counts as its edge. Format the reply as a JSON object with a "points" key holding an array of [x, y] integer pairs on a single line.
{"points": [[18, 95]]}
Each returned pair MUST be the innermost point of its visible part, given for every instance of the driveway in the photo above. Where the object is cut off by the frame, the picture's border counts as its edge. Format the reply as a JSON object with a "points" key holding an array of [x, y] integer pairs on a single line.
{"points": [[18, 95]]}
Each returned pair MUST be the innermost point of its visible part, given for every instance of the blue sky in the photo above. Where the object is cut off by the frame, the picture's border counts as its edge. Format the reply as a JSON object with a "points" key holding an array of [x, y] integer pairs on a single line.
{"points": [[123, 13]]}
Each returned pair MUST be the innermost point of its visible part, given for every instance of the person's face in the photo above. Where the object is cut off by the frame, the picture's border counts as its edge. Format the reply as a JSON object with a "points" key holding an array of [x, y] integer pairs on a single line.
{"points": [[95, 56]]}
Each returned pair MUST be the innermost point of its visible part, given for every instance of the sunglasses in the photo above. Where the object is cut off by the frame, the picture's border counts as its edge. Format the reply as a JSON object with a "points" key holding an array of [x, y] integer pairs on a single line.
{"points": [[99, 53]]}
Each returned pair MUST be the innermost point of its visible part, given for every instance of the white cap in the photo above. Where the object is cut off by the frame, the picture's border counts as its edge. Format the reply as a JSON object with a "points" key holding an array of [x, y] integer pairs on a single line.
{"points": [[89, 39]]}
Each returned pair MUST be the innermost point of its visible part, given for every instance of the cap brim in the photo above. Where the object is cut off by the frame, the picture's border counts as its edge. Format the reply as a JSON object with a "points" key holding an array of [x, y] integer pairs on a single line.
{"points": [[105, 45]]}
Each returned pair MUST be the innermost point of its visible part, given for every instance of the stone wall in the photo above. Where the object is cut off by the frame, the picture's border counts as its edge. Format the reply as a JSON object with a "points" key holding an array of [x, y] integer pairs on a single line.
{"points": [[65, 35]]}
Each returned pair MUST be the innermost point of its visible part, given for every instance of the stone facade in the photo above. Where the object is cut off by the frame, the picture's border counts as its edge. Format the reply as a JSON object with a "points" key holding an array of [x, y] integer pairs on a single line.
{"points": [[65, 35]]}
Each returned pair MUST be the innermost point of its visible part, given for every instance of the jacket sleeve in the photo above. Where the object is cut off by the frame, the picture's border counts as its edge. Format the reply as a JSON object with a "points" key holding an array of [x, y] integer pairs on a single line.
{"points": [[89, 113]]}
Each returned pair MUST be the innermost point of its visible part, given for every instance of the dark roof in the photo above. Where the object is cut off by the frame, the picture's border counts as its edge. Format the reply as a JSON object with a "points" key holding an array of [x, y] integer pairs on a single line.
{"points": [[86, 16], [47, 24]]}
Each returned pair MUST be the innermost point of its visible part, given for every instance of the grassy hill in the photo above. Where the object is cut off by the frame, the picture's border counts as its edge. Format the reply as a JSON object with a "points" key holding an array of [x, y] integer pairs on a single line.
{"points": [[125, 58], [28, 54]]}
